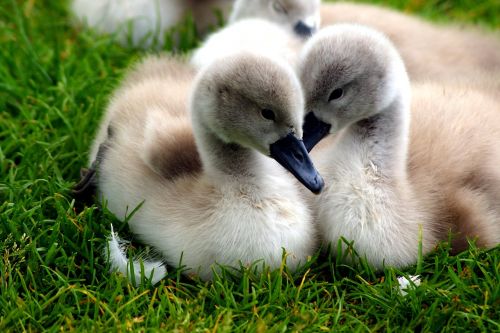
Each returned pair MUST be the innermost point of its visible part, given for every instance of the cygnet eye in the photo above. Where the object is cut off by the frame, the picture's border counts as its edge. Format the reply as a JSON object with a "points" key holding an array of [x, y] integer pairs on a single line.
{"points": [[268, 114], [279, 8], [336, 94]]}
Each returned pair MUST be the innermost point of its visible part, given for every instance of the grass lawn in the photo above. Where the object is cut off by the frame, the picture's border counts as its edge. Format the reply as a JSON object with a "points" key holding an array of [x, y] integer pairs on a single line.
{"points": [[54, 84]]}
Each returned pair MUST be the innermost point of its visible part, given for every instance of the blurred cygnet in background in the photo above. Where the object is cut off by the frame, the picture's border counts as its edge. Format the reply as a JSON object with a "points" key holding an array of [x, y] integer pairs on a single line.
{"points": [[144, 22]]}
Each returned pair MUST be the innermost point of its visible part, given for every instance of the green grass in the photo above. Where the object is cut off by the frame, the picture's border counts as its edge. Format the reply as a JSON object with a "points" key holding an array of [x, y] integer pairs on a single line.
{"points": [[485, 12], [54, 83]]}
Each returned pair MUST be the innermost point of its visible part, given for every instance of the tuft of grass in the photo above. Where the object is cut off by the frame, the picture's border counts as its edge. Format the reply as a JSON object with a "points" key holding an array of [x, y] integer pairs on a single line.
{"points": [[54, 84]]}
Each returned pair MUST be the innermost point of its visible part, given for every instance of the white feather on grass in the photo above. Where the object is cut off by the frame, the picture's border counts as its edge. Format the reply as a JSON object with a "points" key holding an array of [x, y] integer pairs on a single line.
{"points": [[153, 270], [407, 284]]}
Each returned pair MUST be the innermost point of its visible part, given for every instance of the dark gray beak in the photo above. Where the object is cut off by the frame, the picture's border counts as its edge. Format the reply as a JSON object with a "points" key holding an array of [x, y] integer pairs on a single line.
{"points": [[291, 153], [303, 30], [314, 130]]}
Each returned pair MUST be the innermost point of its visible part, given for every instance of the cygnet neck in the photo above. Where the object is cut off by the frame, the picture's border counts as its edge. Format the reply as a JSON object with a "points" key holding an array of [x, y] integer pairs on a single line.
{"points": [[226, 160], [385, 137]]}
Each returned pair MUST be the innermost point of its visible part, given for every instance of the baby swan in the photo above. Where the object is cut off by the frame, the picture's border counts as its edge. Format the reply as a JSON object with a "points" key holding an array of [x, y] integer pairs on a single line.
{"points": [[390, 182], [302, 17], [241, 206], [356, 84]]}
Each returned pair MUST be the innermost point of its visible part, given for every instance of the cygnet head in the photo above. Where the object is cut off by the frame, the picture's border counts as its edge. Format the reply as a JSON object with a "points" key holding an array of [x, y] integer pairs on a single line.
{"points": [[256, 103], [300, 16], [348, 73]]}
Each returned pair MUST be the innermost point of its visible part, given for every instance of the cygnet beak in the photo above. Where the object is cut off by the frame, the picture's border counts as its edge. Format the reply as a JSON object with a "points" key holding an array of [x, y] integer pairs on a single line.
{"points": [[314, 130], [291, 153], [304, 30]]}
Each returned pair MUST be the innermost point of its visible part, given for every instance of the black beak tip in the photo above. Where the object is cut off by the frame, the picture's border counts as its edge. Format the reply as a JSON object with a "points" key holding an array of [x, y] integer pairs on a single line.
{"points": [[291, 153], [303, 30], [317, 185]]}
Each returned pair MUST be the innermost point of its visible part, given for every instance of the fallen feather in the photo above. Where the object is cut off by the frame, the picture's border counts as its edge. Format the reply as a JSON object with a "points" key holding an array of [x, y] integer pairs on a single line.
{"points": [[154, 270], [406, 284]]}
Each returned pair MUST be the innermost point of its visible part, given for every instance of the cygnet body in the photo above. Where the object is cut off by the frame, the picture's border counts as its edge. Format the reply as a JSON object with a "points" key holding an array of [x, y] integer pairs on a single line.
{"points": [[249, 35], [388, 191], [232, 203], [141, 22]]}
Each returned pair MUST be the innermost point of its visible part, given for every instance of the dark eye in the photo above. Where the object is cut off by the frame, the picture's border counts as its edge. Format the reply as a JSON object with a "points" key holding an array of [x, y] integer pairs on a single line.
{"points": [[268, 114], [336, 94], [279, 8]]}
